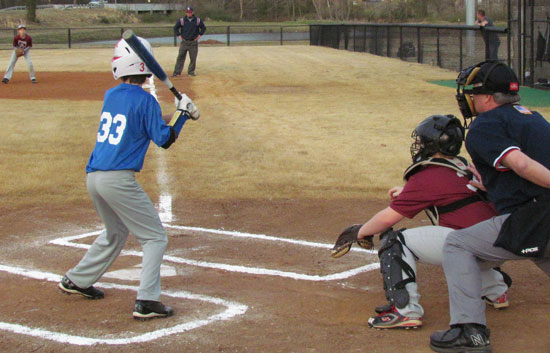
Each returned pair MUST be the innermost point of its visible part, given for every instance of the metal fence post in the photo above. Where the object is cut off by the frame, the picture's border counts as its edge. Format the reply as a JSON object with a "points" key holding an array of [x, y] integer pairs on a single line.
{"points": [[228, 35], [419, 46], [69, 37], [438, 50], [281, 35], [121, 31], [460, 45], [388, 52], [376, 41], [364, 39], [508, 34], [354, 45], [400, 43]]}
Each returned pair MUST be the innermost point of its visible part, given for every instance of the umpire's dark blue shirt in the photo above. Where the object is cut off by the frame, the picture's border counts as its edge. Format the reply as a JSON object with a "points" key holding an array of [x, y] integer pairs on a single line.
{"points": [[492, 136], [189, 28]]}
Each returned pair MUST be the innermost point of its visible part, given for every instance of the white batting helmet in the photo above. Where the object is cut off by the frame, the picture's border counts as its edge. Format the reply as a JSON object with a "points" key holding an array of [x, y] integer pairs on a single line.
{"points": [[126, 62]]}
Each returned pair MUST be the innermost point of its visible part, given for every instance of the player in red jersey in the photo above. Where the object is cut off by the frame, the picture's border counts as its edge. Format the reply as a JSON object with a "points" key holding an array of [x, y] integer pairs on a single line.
{"points": [[437, 182], [22, 44]]}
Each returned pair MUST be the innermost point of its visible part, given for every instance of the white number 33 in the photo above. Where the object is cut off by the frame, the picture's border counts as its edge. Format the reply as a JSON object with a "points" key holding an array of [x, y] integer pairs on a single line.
{"points": [[118, 123]]}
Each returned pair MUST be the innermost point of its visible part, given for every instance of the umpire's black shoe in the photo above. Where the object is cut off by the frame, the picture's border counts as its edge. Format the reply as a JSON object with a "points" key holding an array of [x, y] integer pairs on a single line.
{"points": [[463, 338], [68, 287], [175, 75], [148, 309]]}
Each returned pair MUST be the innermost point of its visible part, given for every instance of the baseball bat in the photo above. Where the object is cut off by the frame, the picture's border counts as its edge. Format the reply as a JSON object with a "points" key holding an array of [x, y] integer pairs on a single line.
{"points": [[132, 40]]}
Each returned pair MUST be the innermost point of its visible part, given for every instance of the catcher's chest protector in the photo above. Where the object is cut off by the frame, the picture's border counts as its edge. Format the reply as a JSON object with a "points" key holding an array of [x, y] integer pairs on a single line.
{"points": [[457, 163]]}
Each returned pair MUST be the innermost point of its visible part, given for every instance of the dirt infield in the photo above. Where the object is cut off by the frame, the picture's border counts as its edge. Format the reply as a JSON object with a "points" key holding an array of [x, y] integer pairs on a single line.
{"points": [[289, 151], [282, 315]]}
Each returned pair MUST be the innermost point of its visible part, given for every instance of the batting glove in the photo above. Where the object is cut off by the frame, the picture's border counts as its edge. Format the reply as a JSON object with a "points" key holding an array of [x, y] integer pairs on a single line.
{"points": [[187, 105]]}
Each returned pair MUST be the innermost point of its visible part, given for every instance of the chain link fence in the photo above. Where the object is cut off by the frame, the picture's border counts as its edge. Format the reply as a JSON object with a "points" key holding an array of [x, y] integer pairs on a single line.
{"points": [[102, 37], [450, 47]]}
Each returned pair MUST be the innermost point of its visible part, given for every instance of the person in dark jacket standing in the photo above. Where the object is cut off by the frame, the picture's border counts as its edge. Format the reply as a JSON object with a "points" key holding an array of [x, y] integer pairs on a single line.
{"points": [[188, 29], [492, 42]]}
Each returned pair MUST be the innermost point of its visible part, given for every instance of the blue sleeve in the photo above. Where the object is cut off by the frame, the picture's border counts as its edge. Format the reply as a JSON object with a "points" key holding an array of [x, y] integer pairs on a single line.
{"points": [[155, 127]]}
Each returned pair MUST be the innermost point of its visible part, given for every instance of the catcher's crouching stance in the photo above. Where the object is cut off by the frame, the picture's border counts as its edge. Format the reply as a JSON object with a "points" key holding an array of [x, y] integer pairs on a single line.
{"points": [[437, 182]]}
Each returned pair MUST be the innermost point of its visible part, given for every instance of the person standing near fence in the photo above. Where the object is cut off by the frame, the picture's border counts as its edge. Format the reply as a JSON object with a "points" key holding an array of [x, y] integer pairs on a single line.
{"points": [[22, 44], [188, 29], [490, 38]]}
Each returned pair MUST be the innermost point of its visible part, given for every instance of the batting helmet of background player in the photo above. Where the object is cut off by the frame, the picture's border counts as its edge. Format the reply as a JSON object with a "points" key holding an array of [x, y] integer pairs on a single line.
{"points": [[487, 77], [127, 63], [437, 133]]}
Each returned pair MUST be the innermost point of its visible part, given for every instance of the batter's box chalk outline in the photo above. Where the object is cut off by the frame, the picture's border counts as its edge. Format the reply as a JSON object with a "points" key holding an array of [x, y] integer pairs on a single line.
{"points": [[69, 242], [232, 310]]}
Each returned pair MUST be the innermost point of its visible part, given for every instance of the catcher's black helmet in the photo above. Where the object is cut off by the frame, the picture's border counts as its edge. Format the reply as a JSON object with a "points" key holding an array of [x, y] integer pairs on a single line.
{"points": [[437, 133]]}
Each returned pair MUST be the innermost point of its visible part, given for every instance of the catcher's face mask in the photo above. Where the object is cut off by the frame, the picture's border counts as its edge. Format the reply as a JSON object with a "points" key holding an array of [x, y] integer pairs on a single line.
{"points": [[464, 95]]}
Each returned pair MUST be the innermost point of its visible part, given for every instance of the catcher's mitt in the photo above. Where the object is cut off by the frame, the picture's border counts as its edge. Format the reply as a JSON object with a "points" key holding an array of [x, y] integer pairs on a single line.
{"points": [[346, 240], [19, 52]]}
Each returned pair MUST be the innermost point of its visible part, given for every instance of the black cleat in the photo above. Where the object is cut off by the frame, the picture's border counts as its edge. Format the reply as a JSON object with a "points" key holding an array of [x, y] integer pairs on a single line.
{"points": [[148, 309], [5, 80], [33, 80], [68, 287], [192, 74], [462, 338]]}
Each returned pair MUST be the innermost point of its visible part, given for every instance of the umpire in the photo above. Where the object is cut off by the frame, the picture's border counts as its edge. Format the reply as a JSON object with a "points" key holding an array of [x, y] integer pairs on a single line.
{"points": [[509, 146], [188, 29]]}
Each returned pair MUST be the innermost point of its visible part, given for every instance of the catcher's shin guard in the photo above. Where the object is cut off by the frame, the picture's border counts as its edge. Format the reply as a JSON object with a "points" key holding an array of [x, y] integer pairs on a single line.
{"points": [[392, 267]]}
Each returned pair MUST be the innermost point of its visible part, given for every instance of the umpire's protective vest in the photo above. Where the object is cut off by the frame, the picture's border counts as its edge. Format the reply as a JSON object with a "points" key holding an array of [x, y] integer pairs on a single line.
{"points": [[457, 163]]}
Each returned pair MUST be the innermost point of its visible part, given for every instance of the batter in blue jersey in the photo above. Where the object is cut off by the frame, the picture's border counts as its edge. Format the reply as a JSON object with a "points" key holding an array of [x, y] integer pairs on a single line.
{"points": [[130, 119]]}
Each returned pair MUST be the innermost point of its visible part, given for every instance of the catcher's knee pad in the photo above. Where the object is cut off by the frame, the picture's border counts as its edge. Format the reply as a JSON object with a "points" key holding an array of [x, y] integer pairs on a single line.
{"points": [[392, 267]]}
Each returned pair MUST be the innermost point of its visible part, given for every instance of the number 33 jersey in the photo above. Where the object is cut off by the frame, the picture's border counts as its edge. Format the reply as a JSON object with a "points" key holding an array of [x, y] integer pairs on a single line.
{"points": [[130, 119]]}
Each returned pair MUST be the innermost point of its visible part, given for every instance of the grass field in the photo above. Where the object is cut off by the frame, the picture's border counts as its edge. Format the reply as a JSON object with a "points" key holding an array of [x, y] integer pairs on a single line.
{"points": [[277, 122]]}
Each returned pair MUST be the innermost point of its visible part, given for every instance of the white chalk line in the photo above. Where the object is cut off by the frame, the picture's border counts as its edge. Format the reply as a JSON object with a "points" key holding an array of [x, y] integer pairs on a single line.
{"points": [[165, 199], [232, 310], [68, 242]]}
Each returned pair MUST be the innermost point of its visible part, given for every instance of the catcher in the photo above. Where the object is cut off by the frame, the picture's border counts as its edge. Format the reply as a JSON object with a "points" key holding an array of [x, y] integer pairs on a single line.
{"points": [[438, 182], [22, 44]]}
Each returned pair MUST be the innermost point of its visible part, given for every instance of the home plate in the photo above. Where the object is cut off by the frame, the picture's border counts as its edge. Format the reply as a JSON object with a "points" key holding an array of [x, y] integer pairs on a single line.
{"points": [[134, 273]]}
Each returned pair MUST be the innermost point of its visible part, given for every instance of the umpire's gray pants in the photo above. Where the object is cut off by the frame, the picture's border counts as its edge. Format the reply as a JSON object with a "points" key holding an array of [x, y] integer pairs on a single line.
{"points": [[426, 245], [123, 206], [13, 60], [191, 46], [465, 253]]}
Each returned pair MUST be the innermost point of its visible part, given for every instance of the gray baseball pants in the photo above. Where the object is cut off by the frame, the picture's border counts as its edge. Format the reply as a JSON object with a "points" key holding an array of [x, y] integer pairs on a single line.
{"points": [[191, 46], [426, 243], [466, 253], [123, 207], [13, 60]]}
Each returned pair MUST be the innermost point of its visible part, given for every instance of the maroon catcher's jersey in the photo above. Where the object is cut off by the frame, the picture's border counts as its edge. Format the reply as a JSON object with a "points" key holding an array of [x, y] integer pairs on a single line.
{"points": [[440, 186]]}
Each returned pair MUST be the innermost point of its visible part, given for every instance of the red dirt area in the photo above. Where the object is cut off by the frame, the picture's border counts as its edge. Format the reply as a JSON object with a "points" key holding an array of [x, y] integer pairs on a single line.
{"points": [[282, 315], [71, 86], [211, 41]]}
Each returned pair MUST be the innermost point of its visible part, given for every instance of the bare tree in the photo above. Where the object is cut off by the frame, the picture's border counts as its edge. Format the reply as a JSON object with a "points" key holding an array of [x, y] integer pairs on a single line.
{"points": [[333, 9], [31, 10]]}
